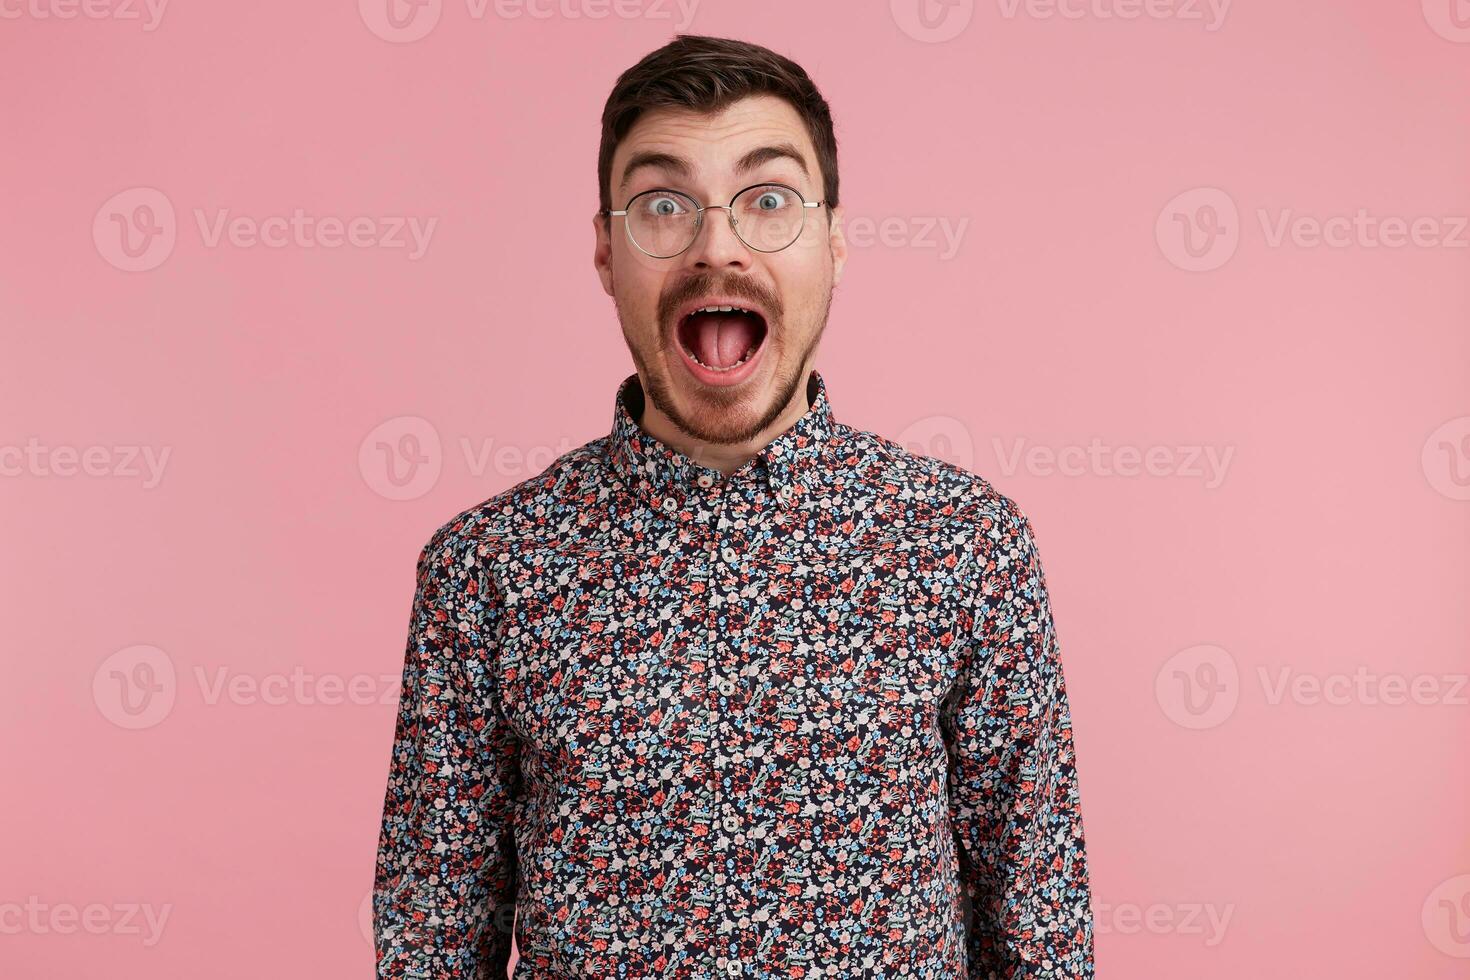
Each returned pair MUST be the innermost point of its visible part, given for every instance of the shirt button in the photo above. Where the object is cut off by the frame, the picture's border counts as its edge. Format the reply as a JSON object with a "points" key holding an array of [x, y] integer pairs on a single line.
{"points": [[734, 968], [729, 554], [726, 685], [706, 480], [731, 822], [670, 504]]}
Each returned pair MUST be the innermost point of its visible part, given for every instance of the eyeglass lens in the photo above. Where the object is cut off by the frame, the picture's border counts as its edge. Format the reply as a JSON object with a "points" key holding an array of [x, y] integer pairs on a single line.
{"points": [[768, 217]]}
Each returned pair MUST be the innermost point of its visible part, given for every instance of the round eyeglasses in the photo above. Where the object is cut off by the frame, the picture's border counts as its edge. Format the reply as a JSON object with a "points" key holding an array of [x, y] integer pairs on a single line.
{"points": [[766, 217]]}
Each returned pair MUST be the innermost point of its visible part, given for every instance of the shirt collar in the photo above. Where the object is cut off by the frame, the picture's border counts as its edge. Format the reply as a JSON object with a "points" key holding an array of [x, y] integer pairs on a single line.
{"points": [[788, 465]]}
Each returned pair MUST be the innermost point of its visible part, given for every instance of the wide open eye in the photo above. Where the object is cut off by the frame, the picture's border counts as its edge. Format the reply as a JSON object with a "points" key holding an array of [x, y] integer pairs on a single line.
{"points": [[662, 222], [663, 205], [769, 216], [769, 199]]}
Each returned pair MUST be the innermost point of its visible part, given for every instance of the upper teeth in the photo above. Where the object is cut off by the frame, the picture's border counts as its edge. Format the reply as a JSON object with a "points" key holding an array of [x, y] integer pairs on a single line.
{"points": [[721, 309]]}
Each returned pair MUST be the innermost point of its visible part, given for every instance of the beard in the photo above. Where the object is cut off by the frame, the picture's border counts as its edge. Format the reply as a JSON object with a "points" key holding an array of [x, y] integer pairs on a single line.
{"points": [[713, 422]]}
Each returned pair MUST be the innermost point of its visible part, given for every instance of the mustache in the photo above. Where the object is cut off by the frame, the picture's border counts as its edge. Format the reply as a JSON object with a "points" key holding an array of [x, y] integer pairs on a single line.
{"points": [[701, 285]]}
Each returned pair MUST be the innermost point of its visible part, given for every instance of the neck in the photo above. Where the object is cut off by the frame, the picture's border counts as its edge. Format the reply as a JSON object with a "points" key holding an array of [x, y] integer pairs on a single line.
{"points": [[725, 457]]}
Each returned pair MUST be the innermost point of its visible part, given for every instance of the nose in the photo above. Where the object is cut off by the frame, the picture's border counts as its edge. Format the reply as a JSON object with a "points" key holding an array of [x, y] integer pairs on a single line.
{"points": [[715, 243]]}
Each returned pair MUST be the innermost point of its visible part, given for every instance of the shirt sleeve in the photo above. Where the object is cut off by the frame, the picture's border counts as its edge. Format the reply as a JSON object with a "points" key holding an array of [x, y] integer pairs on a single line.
{"points": [[445, 880], [1014, 805]]}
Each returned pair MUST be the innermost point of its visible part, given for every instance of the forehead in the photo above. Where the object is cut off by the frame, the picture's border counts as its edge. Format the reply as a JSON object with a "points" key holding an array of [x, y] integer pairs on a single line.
{"points": [[712, 143]]}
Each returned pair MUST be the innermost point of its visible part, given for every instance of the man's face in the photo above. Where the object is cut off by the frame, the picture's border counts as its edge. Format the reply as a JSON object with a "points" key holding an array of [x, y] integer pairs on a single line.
{"points": [[721, 378]]}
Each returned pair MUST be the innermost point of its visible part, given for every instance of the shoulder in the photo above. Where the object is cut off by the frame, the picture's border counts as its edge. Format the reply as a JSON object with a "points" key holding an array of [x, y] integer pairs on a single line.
{"points": [[543, 507], [978, 515]]}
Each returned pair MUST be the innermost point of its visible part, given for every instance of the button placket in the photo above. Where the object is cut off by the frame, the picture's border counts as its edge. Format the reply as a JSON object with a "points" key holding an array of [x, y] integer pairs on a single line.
{"points": [[704, 810], [730, 838], [737, 815], [717, 737]]}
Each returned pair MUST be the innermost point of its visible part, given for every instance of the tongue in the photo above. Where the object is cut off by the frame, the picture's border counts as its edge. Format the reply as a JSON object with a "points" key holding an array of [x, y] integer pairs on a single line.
{"points": [[721, 339]]}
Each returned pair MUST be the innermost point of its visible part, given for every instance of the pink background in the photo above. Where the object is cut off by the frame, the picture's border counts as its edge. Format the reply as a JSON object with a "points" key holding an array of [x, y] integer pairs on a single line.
{"points": [[1235, 828]]}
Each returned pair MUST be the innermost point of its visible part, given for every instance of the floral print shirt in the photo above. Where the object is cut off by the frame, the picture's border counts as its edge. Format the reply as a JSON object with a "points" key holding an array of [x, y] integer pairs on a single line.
{"points": [[804, 721]]}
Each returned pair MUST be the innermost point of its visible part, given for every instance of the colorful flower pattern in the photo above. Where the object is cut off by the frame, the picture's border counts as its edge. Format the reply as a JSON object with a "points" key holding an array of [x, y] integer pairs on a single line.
{"points": [[805, 721]]}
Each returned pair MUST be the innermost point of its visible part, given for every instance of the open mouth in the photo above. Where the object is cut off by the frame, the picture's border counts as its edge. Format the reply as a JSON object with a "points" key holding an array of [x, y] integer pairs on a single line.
{"points": [[721, 338]]}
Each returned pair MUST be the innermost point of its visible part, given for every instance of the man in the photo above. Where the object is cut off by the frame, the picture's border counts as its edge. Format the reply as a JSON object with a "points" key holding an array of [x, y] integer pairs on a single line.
{"points": [[736, 690]]}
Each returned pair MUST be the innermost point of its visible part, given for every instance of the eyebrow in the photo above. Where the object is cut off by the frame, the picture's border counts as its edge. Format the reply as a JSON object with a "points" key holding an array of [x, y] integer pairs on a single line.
{"points": [[679, 167]]}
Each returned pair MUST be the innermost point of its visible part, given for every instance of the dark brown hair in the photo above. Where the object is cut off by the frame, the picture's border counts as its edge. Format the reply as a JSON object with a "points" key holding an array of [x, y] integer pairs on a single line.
{"points": [[706, 74]]}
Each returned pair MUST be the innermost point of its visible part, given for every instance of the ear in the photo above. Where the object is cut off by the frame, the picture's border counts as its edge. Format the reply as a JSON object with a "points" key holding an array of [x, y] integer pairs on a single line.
{"points": [[837, 242], [602, 252]]}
